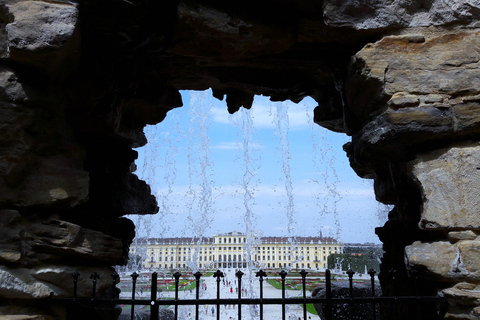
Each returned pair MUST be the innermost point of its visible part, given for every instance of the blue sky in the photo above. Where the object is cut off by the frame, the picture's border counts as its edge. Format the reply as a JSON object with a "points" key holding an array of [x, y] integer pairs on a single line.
{"points": [[269, 169]]}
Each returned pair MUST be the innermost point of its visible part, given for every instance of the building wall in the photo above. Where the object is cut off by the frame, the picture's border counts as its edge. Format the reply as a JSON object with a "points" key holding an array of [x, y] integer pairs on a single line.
{"points": [[230, 250]]}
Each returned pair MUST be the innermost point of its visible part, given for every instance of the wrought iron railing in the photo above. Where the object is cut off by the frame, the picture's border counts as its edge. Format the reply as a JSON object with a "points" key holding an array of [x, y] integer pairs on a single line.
{"points": [[328, 302]]}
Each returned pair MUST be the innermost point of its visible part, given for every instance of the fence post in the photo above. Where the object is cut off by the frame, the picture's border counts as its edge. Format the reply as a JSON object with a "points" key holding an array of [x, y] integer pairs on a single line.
{"points": [[283, 274], [328, 294], [218, 274], [304, 273], [261, 274], [134, 284], [239, 275], [197, 275], [75, 276], [94, 278], [176, 275], [153, 298], [372, 282], [393, 275], [350, 291]]}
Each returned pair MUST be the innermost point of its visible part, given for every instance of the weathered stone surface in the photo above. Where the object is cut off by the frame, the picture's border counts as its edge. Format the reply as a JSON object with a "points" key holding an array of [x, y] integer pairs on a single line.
{"points": [[462, 298], [372, 15], [455, 236], [436, 259], [446, 261], [470, 256], [61, 239], [10, 242], [22, 317], [32, 242], [40, 163], [233, 37], [403, 99], [443, 66], [42, 34], [449, 179], [20, 283]]}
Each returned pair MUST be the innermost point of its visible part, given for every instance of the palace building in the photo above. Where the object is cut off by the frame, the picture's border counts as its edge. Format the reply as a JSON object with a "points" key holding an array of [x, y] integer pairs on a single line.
{"points": [[231, 250]]}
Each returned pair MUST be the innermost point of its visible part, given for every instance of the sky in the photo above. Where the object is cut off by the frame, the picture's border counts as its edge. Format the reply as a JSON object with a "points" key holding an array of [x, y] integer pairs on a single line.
{"points": [[269, 170]]}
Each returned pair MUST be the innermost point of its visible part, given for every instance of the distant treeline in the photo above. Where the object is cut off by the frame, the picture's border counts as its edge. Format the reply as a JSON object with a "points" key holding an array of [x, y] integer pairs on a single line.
{"points": [[356, 258]]}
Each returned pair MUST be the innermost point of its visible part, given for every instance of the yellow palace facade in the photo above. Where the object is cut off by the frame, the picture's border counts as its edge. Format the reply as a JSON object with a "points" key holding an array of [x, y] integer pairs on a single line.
{"points": [[231, 250]]}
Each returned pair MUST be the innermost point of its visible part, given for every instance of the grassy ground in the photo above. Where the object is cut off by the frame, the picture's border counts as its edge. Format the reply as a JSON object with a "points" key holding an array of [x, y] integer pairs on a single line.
{"points": [[278, 285], [170, 286]]}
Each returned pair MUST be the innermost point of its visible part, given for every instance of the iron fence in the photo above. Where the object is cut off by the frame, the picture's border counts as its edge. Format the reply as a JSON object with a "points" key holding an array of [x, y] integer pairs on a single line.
{"points": [[329, 303]]}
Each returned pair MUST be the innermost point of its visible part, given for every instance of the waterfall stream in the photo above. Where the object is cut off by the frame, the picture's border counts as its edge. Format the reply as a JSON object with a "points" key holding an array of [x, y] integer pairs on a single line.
{"points": [[257, 181]]}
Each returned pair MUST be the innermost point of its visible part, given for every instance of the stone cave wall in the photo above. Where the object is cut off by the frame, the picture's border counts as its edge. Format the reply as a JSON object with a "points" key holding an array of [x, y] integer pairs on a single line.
{"points": [[79, 80]]}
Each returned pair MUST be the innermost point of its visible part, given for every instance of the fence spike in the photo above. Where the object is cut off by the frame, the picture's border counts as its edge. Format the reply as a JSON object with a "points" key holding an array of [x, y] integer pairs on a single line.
{"points": [[94, 278], [75, 276]]}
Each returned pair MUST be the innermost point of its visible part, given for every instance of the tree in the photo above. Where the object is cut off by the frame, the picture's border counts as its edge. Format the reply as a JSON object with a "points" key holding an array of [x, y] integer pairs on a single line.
{"points": [[357, 258]]}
